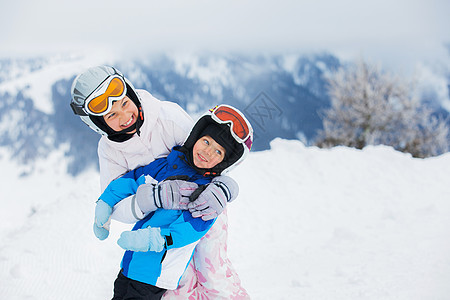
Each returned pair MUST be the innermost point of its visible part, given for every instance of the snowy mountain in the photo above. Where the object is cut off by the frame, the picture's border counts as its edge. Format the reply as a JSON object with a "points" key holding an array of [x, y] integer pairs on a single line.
{"points": [[308, 224], [282, 95]]}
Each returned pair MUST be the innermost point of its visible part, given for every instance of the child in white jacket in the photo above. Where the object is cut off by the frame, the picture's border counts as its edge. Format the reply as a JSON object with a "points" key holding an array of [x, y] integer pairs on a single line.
{"points": [[137, 128]]}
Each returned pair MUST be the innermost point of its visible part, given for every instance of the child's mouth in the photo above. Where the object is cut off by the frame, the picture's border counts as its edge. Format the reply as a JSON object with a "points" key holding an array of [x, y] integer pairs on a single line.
{"points": [[202, 158], [130, 121]]}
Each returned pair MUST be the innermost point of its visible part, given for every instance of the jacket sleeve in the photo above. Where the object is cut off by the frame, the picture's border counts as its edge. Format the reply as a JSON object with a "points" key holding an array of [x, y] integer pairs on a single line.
{"points": [[110, 168], [126, 185], [185, 230]]}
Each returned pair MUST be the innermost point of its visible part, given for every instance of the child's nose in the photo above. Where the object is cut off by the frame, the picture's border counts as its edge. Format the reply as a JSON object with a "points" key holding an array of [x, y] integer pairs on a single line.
{"points": [[121, 114], [208, 151]]}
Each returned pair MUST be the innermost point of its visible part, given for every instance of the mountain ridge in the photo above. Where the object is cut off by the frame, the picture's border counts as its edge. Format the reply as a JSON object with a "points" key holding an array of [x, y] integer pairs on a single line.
{"points": [[282, 96]]}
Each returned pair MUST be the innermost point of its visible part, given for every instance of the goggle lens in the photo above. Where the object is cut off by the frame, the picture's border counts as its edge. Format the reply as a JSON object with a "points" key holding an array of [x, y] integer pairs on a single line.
{"points": [[100, 104], [239, 124]]}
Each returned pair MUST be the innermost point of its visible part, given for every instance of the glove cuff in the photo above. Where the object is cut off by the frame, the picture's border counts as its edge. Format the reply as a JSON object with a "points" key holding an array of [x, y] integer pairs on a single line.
{"points": [[145, 198], [157, 196], [228, 185]]}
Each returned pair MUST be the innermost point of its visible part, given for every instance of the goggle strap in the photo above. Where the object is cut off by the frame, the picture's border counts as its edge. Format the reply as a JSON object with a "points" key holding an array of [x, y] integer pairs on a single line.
{"points": [[78, 110]]}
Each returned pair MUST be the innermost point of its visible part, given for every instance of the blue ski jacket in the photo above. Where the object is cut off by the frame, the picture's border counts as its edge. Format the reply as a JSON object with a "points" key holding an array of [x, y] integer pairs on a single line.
{"points": [[181, 231]]}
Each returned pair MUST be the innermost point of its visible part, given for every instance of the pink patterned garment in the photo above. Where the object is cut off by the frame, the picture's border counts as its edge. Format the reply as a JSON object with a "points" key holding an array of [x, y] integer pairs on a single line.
{"points": [[210, 274]]}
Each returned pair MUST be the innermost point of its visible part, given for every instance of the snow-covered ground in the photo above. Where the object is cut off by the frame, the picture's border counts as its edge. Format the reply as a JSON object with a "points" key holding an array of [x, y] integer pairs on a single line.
{"points": [[308, 224]]}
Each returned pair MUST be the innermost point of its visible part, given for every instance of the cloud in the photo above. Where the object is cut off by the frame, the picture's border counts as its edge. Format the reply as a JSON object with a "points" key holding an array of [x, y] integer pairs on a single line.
{"points": [[347, 27]]}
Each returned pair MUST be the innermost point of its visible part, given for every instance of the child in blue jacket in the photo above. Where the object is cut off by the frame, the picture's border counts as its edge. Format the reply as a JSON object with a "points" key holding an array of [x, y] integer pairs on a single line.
{"points": [[161, 245]]}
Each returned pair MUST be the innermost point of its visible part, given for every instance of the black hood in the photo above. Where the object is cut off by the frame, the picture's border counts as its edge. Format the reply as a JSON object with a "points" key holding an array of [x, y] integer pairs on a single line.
{"points": [[234, 151]]}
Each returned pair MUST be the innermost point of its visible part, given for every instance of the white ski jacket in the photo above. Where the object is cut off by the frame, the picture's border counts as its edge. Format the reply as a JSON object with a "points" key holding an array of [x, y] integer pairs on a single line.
{"points": [[165, 125]]}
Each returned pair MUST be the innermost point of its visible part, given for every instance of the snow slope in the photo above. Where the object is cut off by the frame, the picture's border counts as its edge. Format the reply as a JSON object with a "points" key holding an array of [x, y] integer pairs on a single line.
{"points": [[308, 224]]}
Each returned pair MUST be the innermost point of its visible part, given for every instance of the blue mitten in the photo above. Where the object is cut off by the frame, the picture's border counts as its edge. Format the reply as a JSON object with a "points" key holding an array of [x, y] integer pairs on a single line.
{"points": [[101, 232], [142, 240], [102, 219]]}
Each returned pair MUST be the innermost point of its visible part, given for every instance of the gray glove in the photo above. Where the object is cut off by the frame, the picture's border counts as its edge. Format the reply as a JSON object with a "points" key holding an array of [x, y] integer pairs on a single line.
{"points": [[167, 194], [212, 200]]}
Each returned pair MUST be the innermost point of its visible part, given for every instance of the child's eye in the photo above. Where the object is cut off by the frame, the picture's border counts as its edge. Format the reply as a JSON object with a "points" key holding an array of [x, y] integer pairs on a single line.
{"points": [[111, 115], [124, 103], [206, 141], [219, 152]]}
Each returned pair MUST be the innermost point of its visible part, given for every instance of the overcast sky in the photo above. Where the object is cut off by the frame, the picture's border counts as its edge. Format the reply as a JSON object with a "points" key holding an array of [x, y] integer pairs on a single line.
{"points": [[381, 30]]}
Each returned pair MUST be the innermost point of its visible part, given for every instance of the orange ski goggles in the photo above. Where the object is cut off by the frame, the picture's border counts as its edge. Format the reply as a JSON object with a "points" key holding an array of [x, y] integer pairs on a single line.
{"points": [[99, 103], [240, 127]]}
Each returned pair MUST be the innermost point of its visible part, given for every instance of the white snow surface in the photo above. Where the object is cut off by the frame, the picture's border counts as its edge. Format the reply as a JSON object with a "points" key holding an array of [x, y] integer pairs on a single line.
{"points": [[309, 223]]}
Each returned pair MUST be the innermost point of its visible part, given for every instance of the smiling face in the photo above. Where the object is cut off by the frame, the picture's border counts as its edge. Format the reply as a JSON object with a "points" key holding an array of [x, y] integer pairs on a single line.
{"points": [[122, 115], [207, 153]]}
